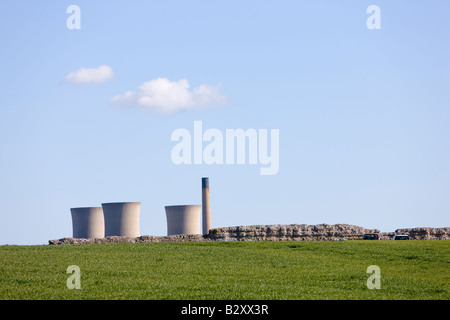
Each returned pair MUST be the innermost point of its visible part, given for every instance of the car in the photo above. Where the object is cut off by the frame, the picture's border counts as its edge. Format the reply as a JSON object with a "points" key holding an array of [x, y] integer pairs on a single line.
{"points": [[401, 237], [371, 236]]}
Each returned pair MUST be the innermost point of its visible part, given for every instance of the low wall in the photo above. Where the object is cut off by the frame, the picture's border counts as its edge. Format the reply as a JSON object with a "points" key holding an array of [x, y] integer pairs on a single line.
{"points": [[118, 239], [321, 232], [426, 233], [297, 232]]}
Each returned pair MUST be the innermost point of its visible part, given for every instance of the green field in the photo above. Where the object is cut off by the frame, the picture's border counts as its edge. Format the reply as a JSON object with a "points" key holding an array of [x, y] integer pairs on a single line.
{"points": [[228, 270]]}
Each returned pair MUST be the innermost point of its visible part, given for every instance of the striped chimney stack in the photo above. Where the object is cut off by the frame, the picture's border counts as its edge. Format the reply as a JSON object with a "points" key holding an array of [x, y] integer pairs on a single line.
{"points": [[206, 210]]}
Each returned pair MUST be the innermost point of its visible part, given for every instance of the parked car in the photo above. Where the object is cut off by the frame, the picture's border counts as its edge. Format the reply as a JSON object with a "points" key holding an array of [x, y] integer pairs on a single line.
{"points": [[371, 236], [401, 237]]}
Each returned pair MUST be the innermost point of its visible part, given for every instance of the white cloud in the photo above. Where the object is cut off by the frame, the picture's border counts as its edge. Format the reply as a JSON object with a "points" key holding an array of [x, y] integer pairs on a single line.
{"points": [[90, 75], [164, 96]]}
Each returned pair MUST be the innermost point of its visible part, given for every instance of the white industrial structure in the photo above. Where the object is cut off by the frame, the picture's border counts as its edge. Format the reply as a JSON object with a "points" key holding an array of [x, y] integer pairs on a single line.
{"points": [[183, 219], [88, 222], [122, 219]]}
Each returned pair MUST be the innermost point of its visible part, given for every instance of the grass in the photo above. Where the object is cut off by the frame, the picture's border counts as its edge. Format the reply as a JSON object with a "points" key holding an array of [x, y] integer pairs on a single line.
{"points": [[229, 270]]}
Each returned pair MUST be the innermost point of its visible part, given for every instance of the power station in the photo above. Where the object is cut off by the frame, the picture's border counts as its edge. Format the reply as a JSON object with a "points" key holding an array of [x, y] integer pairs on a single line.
{"points": [[122, 218]]}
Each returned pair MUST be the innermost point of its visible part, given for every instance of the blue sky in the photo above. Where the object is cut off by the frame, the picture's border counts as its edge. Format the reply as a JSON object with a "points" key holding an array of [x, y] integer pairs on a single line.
{"points": [[363, 115]]}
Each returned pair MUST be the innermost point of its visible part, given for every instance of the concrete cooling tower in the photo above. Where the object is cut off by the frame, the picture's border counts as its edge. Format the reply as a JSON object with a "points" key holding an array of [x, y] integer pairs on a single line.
{"points": [[183, 219], [122, 219], [88, 222]]}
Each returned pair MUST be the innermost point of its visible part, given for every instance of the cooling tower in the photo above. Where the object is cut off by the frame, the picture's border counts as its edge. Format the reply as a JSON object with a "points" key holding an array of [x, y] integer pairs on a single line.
{"points": [[88, 222], [183, 219], [206, 210], [122, 219]]}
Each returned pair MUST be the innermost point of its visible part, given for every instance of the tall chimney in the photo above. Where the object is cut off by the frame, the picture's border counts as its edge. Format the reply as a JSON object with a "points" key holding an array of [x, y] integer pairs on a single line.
{"points": [[206, 210]]}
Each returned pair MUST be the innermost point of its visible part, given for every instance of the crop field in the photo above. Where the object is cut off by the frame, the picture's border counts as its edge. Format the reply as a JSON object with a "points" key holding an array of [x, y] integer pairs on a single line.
{"points": [[288, 270]]}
